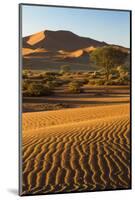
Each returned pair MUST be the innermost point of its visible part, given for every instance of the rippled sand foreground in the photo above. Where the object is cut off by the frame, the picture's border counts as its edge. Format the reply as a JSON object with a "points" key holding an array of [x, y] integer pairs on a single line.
{"points": [[80, 149]]}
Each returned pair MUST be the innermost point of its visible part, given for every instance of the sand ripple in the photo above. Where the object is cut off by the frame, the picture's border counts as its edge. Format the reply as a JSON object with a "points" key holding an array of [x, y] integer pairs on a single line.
{"points": [[80, 149]]}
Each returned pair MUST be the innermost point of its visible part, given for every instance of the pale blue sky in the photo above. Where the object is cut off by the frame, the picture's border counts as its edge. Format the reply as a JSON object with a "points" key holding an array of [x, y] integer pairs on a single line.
{"points": [[110, 26]]}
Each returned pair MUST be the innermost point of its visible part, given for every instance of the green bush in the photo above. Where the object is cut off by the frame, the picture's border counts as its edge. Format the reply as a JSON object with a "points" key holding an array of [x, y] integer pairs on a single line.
{"points": [[74, 87], [78, 83], [100, 82], [37, 75], [58, 82], [65, 81], [50, 78], [122, 81], [51, 84], [25, 85], [97, 82], [51, 73], [110, 82], [25, 74], [38, 89], [118, 81]]}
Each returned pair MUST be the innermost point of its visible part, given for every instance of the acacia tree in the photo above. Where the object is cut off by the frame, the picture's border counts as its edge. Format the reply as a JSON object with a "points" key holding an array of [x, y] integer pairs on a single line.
{"points": [[108, 57]]}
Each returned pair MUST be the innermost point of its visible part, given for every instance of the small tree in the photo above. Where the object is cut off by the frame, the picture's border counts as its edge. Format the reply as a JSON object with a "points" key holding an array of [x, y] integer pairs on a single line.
{"points": [[108, 57]]}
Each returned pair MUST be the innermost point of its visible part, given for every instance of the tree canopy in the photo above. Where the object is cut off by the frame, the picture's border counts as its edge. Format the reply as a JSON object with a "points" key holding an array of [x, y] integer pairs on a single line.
{"points": [[108, 57]]}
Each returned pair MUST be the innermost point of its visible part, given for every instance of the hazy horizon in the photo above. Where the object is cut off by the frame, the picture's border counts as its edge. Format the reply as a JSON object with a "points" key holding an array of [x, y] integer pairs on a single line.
{"points": [[112, 27]]}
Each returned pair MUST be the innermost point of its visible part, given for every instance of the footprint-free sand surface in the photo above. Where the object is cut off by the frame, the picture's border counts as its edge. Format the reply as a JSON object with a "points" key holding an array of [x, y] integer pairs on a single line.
{"points": [[78, 149]]}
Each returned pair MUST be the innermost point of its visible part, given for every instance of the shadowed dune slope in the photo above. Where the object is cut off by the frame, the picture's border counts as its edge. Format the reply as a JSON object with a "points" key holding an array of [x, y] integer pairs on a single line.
{"points": [[81, 149]]}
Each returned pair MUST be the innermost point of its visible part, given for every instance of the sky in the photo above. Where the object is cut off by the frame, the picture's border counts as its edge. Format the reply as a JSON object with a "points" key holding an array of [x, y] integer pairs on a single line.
{"points": [[112, 27]]}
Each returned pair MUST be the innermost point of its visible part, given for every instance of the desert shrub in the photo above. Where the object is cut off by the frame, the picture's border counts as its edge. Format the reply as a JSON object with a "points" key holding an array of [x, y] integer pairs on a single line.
{"points": [[100, 82], [51, 84], [38, 89], [90, 72], [65, 81], [67, 74], [26, 93], [59, 82], [79, 82], [56, 83], [85, 74], [92, 82], [79, 73], [118, 81], [49, 78], [38, 76], [73, 87], [25, 74], [122, 81], [35, 77], [97, 82], [25, 85], [45, 75], [83, 81], [110, 82], [51, 73]]}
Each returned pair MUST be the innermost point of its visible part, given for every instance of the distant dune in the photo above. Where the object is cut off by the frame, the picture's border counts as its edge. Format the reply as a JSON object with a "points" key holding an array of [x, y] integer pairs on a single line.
{"points": [[59, 40], [76, 149], [55, 48]]}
